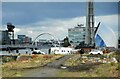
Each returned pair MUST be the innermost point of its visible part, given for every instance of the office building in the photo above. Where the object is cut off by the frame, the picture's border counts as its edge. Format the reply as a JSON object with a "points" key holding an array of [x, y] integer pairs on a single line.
{"points": [[5, 37], [23, 39], [76, 35]]}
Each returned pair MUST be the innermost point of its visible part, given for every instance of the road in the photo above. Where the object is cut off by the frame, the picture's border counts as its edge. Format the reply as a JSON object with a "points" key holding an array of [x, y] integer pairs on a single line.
{"points": [[50, 70]]}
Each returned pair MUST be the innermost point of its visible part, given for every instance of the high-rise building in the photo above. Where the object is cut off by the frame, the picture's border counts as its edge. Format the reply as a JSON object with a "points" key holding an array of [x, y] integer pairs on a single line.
{"points": [[4, 37], [76, 35]]}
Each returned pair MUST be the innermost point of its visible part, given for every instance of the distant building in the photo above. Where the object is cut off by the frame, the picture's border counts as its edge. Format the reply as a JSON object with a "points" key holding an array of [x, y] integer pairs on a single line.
{"points": [[23, 39], [5, 37], [16, 41], [99, 42], [45, 41], [76, 35], [21, 36], [27, 40]]}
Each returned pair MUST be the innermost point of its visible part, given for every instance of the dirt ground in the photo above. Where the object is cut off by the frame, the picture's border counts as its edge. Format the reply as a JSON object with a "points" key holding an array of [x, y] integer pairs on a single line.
{"points": [[73, 66]]}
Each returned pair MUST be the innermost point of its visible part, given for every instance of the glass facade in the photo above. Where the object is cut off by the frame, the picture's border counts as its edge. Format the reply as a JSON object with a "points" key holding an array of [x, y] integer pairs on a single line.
{"points": [[99, 42], [23, 39], [76, 35]]}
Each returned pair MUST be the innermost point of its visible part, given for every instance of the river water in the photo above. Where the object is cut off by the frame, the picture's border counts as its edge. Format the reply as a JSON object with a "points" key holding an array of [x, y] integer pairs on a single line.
{"points": [[13, 52], [43, 48]]}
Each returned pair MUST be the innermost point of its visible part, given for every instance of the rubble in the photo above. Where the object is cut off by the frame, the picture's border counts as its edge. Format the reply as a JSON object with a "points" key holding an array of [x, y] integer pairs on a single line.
{"points": [[86, 59], [114, 60]]}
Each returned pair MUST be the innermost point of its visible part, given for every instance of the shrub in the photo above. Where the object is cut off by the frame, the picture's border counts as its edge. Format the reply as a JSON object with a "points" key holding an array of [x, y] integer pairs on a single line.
{"points": [[7, 59]]}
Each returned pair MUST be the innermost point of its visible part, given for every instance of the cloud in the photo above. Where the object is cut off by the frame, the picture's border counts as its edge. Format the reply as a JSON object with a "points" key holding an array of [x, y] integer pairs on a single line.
{"points": [[17, 30], [30, 32], [59, 27]]}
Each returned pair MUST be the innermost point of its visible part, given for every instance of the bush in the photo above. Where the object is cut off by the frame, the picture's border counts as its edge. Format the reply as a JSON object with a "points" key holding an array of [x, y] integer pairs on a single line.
{"points": [[7, 59]]}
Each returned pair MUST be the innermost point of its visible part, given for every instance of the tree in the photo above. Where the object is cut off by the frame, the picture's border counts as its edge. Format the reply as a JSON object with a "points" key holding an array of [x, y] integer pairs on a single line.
{"points": [[71, 41], [82, 44], [66, 42]]}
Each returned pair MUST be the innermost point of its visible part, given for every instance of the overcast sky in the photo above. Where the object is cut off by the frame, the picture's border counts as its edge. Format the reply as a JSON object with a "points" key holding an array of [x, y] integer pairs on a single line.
{"points": [[33, 18], [58, 0]]}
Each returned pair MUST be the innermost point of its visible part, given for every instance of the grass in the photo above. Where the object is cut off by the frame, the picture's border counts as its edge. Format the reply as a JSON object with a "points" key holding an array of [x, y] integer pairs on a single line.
{"points": [[15, 68], [102, 70], [73, 61], [0, 71]]}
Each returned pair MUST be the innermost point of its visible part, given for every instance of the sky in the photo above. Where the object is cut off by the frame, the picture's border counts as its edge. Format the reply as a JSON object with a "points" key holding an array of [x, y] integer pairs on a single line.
{"points": [[57, 0], [34, 18]]}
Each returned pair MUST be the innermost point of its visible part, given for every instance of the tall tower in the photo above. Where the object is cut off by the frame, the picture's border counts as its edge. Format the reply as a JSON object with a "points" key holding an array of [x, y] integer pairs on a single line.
{"points": [[89, 37]]}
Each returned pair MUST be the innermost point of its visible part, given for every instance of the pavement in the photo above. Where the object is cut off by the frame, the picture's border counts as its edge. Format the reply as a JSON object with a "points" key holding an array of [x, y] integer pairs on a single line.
{"points": [[59, 62]]}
